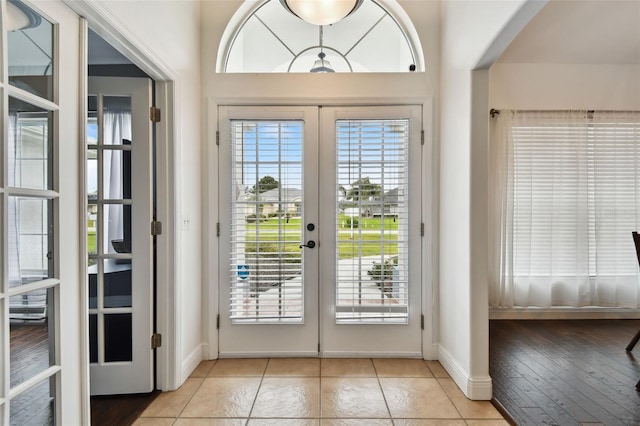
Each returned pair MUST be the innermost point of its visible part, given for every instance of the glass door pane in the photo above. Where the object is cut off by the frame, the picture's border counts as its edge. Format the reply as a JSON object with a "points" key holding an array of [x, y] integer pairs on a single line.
{"points": [[371, 220], [266, 225], [30, 42], [109, 236]]}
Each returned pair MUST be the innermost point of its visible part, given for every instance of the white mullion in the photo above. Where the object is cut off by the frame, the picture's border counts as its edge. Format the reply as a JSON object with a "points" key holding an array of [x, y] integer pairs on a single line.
{"points": [[4, 175], [100, 237], [122, 310], [30, 98], [32, 193], [34, 381], [37, 285], [111, 147], [4, 275]]}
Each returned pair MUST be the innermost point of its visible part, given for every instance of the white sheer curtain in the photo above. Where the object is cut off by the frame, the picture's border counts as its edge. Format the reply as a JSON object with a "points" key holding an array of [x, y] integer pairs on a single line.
{"points": [[117, 126], [565, 199]]}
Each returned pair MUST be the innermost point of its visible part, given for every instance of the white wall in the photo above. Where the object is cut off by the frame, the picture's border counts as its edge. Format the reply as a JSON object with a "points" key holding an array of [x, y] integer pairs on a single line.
{"points": [[565, 86], [168, 33], [473, 32]]}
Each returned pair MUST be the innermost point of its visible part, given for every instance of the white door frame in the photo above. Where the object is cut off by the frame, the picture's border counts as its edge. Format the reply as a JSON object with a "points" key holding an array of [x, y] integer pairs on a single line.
{"points": [[168, 362], [211, 254]]}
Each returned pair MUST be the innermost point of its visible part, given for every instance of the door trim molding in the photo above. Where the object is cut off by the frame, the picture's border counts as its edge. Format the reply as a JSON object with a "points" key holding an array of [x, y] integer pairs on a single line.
{"points": [[430, 170], [168, 364]]}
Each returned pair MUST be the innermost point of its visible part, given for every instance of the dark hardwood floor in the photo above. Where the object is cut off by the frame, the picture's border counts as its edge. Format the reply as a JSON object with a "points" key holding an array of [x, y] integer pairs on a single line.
{"points": [[119, 410], [564, 373], [30, 356]]}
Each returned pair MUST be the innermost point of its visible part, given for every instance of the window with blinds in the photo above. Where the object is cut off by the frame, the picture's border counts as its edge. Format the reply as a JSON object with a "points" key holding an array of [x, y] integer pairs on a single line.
{"points": [[576, 197], [372, 221], [266, 222]]}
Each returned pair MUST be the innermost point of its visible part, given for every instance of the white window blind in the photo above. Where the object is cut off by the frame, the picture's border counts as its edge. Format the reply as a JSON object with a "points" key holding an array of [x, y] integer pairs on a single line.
{"points": [[572, 201], [372, 221], [266, 222]]}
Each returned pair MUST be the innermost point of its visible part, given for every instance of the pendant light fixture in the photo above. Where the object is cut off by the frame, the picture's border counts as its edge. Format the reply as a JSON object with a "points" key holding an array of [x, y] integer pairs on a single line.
{"points": [[321, 64], [321, 12], [20, 17]]}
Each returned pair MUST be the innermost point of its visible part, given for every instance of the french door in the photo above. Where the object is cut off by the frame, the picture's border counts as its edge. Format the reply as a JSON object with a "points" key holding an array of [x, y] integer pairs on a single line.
{"points": [[320, 231], [119, 199]]}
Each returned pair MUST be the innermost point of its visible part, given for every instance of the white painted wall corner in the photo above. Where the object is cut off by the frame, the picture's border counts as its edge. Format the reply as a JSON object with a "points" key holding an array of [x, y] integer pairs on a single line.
{"points": [[191, 361], [475, 388]]}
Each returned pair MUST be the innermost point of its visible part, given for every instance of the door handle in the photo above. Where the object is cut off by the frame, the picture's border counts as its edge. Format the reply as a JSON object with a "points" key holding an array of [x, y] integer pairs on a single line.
{"points": [[310, 244]]}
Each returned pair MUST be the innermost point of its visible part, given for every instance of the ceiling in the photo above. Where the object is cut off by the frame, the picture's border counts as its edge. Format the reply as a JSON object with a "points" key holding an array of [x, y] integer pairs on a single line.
{"points": [[580, 32]]}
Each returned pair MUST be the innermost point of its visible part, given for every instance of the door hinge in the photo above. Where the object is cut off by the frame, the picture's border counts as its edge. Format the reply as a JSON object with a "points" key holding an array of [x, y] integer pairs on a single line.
{"points": [[217, 137], [218, 229], [156, 227], [422, 229], [218, 322], [318, 347], [154, 114], [422, 137], [422, 322], [156, 340]]}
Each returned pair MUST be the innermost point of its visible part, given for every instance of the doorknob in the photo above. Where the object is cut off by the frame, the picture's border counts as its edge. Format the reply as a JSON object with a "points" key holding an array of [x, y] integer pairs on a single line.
{"points": [[310, 244]]}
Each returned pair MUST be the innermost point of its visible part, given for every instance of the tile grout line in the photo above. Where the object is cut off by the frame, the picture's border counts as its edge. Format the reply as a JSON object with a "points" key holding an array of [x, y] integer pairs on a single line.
{"points": [[450, 400], [320, 393], [384, 397], [192, 395], [255, 399]]}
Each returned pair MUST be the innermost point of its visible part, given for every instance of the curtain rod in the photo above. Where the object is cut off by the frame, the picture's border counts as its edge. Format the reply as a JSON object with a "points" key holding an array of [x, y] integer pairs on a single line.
{"points": [[493, 112]]}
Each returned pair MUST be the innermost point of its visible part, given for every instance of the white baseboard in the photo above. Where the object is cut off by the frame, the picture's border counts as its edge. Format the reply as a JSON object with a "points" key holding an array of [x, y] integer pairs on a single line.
{"points": [[431, 353], [476, 388], [562, 313], [206, 356], [191, 362]]}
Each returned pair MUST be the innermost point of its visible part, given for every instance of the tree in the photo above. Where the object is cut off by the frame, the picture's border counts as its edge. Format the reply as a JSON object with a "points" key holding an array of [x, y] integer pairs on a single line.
{"points": [[363, 189], [266, 183]]}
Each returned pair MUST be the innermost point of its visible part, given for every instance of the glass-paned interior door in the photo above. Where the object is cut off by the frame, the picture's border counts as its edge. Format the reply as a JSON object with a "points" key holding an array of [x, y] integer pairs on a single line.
{"points": [[118, 235], [31, 189], [370, 270], [268, 219]]}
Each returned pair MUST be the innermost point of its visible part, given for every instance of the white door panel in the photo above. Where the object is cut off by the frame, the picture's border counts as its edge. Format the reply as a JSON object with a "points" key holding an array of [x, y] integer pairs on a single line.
{"points": [[120, 214], [371, 275], [268, 283]]}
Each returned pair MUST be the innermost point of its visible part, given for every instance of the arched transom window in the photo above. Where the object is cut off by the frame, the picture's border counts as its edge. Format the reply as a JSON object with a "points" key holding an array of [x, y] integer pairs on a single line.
{"points": [[271, 39]]}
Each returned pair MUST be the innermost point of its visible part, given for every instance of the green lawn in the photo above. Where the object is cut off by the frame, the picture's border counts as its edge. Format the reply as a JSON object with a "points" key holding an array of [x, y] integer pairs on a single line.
{"points": [[362, 244], [390, 223], [91, 242], [365, 244]]}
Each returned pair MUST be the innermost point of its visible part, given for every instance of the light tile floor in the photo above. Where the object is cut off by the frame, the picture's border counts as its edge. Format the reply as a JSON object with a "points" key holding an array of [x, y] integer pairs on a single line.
{"points": [[319, 392]]}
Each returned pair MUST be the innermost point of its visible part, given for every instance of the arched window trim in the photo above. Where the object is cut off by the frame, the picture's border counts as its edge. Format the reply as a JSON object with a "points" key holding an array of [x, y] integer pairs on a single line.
{"points": [[249, 7]]}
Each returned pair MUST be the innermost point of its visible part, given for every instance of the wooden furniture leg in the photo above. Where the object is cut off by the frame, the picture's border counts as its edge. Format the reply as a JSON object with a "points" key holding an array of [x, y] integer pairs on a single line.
{"points": [[633, 342]]}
